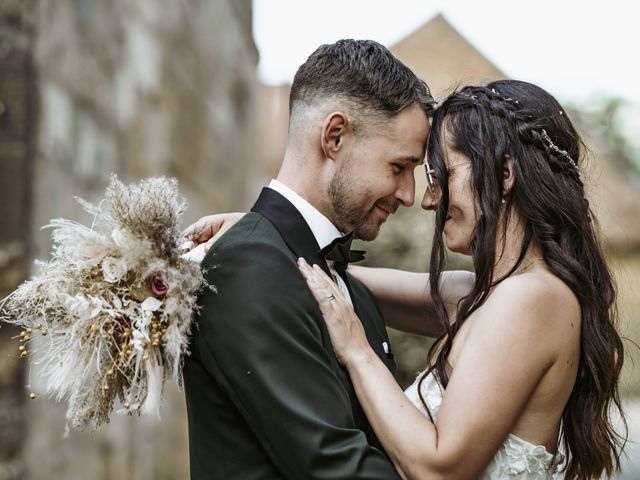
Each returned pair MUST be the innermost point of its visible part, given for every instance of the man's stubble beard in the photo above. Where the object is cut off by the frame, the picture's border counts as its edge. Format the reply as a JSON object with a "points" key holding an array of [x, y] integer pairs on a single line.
{"points": [[348, 214]]}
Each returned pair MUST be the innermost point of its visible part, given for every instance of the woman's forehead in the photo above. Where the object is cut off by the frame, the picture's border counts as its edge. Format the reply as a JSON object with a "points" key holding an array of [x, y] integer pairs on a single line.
{"points": [[453, 156]]}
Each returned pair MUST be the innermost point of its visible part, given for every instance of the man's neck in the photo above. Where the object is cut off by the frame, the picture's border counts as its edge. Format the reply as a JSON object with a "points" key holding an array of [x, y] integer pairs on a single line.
{"points": [[322, 228]]}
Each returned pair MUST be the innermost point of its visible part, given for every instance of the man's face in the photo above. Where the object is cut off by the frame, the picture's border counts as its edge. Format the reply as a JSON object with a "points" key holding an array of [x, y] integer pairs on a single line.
{"points": [[376, 174]]}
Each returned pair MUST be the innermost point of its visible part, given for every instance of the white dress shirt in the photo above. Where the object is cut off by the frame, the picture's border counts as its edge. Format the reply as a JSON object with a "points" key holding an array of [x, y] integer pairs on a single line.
{"points": [[323, 230]]}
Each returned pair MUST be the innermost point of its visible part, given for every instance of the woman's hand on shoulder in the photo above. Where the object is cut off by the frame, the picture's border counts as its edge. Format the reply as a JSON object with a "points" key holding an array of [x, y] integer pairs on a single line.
{"points": [[345, 329], [198, 237]]}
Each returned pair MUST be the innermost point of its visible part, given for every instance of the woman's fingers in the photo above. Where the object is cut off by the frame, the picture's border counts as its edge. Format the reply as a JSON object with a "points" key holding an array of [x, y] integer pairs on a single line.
{"points": [[208, 229], [322, 287], [345, 330], [203, 229], [314, 281]]}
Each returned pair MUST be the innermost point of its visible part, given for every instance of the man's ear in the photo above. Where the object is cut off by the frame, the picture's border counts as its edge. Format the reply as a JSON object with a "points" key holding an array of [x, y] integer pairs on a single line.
{"points": [[335, 128], [509, 176]]}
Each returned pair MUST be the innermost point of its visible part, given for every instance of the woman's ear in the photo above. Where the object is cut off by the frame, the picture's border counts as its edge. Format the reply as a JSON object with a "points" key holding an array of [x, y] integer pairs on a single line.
{"points": [[334, 130], [509, 177]]}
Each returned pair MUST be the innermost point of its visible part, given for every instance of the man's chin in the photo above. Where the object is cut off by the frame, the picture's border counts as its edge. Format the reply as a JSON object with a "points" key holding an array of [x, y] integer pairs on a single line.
{"points": [[367, 232]]}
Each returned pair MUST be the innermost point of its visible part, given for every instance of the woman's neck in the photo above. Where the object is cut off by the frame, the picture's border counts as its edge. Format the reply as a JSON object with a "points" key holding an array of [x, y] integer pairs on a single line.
{"points": [[508, 248]]}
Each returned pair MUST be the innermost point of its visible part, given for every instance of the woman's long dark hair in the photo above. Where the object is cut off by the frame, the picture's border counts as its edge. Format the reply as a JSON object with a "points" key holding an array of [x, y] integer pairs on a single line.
{"points": [[517, 120]]}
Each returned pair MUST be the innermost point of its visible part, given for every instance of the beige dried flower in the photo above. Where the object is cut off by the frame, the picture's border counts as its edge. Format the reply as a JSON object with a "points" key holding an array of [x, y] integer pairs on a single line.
{"points": [[115, 301]]}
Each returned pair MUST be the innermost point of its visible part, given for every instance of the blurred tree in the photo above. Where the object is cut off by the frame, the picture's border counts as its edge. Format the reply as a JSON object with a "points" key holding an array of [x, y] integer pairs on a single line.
{"points": [[604, 120]]}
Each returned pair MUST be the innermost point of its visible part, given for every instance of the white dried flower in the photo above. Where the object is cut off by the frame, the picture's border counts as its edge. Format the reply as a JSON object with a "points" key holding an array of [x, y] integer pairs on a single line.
{"points": [[114, 269], [78, 305], [118, 237], [108, 336], [140, 337], [151, 304]]}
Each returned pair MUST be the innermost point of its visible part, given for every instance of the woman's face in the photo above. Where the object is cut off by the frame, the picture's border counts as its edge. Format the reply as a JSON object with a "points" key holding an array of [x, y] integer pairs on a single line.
{"points": [[462, 213]]}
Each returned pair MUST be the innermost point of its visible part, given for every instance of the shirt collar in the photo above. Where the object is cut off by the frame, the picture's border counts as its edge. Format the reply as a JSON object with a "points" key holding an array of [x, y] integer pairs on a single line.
{"points": [[323, 230]]}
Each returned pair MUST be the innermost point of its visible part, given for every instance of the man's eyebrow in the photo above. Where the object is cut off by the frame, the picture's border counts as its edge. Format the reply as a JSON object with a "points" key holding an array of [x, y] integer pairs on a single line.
{"points": [[412, 159]]}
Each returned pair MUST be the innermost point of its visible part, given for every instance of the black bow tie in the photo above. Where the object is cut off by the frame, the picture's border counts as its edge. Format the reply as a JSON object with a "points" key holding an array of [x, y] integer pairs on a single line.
{"points": [[339, 250]]}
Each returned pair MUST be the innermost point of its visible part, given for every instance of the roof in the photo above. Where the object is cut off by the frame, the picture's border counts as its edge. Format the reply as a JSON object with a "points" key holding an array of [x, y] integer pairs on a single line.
{"points": [[443, 58]]}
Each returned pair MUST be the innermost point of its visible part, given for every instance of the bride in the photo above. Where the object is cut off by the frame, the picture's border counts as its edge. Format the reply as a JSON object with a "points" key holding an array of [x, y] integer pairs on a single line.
{"points": [[524, 374]]}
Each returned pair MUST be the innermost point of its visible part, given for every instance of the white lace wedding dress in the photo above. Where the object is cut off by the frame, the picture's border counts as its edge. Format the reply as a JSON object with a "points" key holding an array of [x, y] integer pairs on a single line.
{"points": [[516, 459]]}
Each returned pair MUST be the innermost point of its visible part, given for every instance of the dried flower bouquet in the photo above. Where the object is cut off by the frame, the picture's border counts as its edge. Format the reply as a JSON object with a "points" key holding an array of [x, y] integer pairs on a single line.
{"points": [[113, 306]]}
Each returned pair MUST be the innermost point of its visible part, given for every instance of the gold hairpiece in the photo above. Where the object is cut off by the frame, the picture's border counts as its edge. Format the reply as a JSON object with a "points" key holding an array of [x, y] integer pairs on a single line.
{"points": [[559, 151]]}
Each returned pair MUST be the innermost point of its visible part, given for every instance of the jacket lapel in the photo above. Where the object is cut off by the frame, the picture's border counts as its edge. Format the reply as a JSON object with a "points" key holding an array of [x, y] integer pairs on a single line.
{"points": [[374, 327], [294, 230], [291, 226]]}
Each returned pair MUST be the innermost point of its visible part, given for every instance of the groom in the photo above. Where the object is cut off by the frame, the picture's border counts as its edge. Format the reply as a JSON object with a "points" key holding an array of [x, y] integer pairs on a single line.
{"points": [[266, 397]]}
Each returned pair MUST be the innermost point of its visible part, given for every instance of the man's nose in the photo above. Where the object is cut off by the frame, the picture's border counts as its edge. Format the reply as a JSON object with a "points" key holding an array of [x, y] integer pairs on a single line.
{"points": [[406, 192], [431, 198]]}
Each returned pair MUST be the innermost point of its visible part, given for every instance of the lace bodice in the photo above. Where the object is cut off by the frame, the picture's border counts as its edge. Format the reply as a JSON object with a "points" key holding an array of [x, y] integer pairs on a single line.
{"points": [[516, 458]]}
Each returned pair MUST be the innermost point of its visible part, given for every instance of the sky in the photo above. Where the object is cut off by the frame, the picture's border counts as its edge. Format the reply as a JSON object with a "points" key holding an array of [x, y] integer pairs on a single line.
{"points": [[575, 49]]}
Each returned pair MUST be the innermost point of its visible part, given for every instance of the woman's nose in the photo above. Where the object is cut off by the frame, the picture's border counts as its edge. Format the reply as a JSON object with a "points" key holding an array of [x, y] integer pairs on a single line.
{"points": [[431, 198]]}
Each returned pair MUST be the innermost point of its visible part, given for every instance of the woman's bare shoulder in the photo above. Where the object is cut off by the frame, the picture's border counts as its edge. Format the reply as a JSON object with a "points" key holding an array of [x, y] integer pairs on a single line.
{"points": [[534, 299]]}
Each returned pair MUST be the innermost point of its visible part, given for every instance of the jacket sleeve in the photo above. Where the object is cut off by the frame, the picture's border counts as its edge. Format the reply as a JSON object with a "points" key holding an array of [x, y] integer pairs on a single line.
{"points": [[262, 337]]}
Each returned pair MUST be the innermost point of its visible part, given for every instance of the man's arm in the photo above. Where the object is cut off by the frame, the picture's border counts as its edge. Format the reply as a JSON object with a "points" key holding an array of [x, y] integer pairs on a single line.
{"points": [[262, 337]]}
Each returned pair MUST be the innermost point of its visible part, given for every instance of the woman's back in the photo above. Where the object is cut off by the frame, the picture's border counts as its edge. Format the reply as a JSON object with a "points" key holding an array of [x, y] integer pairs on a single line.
{"points": [[553, 313]]}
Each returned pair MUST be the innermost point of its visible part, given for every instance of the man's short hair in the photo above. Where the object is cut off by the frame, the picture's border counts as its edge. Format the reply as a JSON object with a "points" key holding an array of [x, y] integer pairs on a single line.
{"points": [[361, 74]]}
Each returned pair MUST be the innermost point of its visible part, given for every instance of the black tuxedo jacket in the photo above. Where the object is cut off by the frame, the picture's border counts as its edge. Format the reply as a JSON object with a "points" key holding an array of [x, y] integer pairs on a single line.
{"points": [[266, 397]]}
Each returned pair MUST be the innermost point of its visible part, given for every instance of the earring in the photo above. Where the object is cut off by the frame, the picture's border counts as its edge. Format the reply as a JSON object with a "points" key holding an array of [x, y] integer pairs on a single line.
{"points": [[503, 201]]}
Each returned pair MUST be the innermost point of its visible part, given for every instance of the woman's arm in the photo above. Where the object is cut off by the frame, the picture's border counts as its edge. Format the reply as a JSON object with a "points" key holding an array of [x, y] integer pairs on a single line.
{"points": [[495, 375], [404, 297]]}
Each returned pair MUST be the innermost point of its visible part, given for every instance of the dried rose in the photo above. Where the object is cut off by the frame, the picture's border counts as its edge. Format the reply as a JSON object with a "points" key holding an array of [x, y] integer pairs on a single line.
{"points": [[158, 285]]}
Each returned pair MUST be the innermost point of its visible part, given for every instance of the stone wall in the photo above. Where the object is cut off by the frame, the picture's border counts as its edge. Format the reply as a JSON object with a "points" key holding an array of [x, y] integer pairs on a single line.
{"points": [[17, 142], [151, 87]]}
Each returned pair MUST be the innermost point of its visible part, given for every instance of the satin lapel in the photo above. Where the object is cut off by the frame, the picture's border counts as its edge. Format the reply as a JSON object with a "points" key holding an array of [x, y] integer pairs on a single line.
{"points": [[291, 226], [374, 324], [294, 230]]}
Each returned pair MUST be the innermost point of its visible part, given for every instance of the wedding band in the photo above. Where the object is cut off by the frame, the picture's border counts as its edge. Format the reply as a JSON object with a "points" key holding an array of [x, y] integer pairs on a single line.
{"points": [[331, 297]]}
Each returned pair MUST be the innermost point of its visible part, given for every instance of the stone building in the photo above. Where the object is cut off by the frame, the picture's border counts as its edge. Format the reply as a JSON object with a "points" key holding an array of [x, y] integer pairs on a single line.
{"points": [[89, 88]]}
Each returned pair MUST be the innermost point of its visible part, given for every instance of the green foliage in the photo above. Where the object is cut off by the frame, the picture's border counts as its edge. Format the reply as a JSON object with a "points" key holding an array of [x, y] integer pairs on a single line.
{"points": [[606, 123]]}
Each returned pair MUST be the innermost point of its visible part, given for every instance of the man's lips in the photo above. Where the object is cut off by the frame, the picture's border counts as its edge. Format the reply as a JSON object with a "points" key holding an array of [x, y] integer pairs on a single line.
{"points": [[388, 209], [386, 213]]}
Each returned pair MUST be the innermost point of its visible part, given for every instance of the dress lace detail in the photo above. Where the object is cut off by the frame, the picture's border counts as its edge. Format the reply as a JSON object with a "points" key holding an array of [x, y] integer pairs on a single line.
{"points": [[516, 458]]}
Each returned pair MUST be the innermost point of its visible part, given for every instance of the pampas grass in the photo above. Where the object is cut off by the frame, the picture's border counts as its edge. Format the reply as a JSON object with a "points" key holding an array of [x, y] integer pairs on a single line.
{"points": [[114, 305]]}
